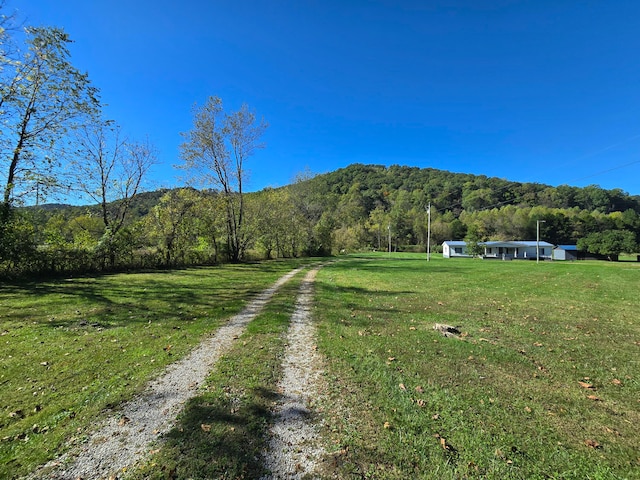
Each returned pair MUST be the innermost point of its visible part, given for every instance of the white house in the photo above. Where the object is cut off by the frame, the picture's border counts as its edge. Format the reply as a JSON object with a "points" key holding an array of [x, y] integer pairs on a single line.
{"points": [[521, 249]]}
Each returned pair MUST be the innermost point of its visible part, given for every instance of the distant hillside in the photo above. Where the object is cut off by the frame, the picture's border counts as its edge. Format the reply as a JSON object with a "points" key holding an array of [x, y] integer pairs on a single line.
{"points": [[447, 191], [456, 192], [141, 205]]}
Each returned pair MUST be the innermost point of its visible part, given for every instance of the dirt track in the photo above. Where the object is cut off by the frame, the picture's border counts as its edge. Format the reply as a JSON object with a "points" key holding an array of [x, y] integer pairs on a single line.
{"points": [[124, 440], [294, 450]]}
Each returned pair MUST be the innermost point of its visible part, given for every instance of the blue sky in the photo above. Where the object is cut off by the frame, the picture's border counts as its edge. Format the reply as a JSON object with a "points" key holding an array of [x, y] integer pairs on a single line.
{"points": [[531, 91]]}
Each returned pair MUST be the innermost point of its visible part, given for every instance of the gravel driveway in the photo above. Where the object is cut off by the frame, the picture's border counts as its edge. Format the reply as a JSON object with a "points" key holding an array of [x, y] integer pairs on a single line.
{"points": [[125, 439]]}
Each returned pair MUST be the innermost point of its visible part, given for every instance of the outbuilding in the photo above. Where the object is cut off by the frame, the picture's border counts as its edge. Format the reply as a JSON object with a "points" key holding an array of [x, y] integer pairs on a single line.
{"points": [[454, 248], [565, 252]]}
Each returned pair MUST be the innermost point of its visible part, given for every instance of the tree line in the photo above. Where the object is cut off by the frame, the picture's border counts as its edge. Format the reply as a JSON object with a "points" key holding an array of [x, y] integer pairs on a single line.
{"points": [[360, 207]]}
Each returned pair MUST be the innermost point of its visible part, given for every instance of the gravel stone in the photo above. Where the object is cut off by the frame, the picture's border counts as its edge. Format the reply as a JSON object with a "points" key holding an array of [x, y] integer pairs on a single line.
{"points": [[294, 451]]}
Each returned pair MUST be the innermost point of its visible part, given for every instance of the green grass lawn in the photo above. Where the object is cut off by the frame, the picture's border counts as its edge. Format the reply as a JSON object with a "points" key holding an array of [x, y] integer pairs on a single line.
{"points": [[543, 382], [72, 349]]}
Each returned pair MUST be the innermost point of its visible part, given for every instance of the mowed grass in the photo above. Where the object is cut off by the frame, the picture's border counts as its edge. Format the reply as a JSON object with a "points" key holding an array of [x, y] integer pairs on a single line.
{"points": [[74, 349], [544, 381]]}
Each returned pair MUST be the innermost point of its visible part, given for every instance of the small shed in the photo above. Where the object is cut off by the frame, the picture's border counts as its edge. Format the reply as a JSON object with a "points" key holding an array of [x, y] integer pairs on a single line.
{"points": [[565, 252], [454, 248]]}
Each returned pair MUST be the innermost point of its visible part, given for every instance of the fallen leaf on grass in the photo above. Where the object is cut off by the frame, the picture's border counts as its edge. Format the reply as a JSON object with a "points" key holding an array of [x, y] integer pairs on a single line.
{"points": [[592, 444], [615, 381], [402, 387], [593, 397], [586, 385], [205, 427], [419, 389], [387, 425]]}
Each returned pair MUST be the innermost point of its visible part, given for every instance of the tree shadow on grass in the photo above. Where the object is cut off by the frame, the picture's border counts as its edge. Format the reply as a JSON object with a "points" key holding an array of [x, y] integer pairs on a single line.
{"points": [[395, 266], [90, 302], [218, 436]]}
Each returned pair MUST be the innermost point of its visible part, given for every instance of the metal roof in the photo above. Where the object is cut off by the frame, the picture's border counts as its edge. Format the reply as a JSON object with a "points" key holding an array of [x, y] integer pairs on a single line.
{"points": [[531, 243], [512, 244], [568, 247]]}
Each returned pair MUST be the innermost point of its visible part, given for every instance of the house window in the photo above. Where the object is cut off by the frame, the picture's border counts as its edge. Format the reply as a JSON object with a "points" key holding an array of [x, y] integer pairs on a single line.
{"points": [[542, 251], [458, 250]]}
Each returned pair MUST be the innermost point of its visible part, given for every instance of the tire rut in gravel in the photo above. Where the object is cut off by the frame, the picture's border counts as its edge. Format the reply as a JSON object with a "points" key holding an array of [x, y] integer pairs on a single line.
{"points": [[294, 451], [123, 440]]}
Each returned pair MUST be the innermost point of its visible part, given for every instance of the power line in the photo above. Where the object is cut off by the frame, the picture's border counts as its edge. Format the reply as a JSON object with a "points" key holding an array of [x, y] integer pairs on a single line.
{"points": [[607, 170]]}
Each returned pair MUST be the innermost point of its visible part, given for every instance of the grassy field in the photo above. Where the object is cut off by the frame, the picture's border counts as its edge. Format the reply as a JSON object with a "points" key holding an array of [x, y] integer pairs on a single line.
{"points": [[72, 349], [543, 381]]}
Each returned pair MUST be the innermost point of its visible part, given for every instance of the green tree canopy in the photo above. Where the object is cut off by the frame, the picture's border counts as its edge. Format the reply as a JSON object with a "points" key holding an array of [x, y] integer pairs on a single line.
{"points": [[609, 242]]}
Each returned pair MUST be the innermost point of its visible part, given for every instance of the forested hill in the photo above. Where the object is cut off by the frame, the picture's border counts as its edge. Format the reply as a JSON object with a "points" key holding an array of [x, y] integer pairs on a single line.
{"points": [[378, 186], [456, 192], [140, 206]]}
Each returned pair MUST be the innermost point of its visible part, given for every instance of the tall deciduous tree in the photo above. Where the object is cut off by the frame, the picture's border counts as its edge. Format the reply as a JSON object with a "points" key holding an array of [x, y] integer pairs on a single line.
{"points": [[172, 224], [215, 152], [109, 170], [42, 96]]}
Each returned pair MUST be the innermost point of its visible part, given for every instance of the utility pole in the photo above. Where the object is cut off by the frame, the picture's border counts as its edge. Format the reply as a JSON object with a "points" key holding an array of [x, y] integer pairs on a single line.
{"points": [[538, 222], [429, 232]]}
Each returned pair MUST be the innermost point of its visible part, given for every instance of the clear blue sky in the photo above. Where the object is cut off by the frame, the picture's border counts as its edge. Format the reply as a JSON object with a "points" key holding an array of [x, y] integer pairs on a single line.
{"points": [[532, 91]]}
